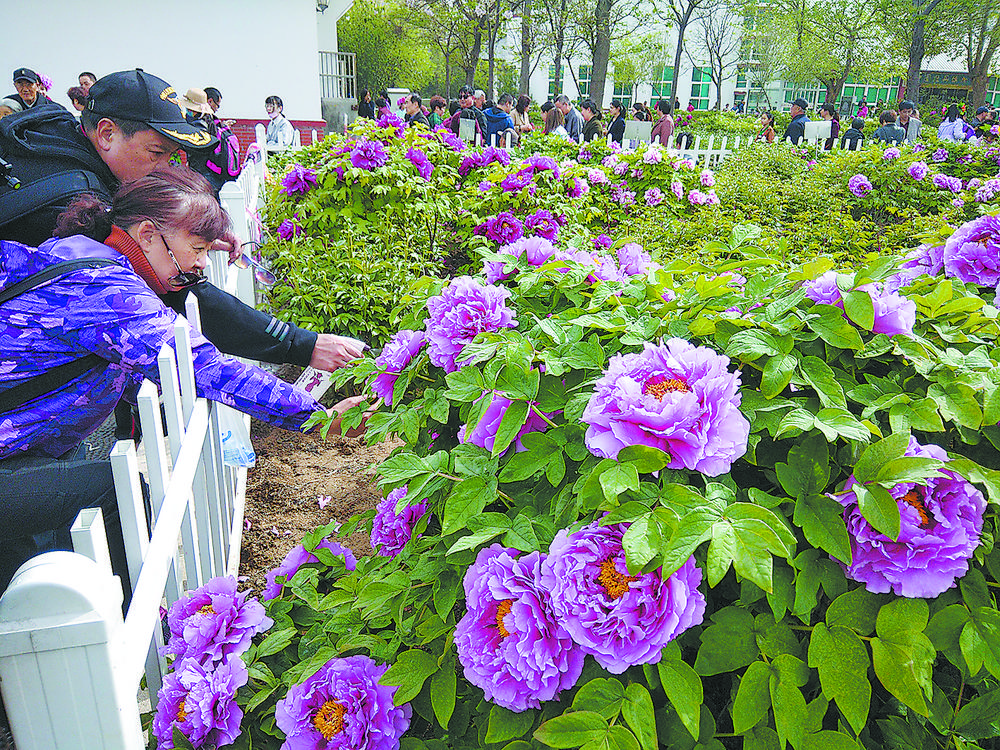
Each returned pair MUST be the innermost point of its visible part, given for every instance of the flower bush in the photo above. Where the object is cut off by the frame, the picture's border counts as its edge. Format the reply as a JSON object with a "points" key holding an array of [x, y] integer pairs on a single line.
{"points": [[750, 502]]}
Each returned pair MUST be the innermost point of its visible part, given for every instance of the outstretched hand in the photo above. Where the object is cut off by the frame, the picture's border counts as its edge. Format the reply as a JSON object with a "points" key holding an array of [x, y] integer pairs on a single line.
{"points": [[340, 407], [332, 351]]}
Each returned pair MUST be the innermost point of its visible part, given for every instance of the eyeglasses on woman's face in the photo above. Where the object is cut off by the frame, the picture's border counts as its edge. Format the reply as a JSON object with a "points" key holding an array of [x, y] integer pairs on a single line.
{"points": [[183, 279]]}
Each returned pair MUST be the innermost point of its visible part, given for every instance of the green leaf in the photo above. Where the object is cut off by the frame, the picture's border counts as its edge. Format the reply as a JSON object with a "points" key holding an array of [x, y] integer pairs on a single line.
{"points": [[857, 609], [572, 730], [527, 463], [466, 384], [957, 401], [842, 661], [878, 454], [618, 479], [980, 641], [521, 535], [443, 686], [411, 670], [827, 739], [619, 738], [684, 690], [879, 508], [777, 374], [604, 696], [902, 655], [402, 466], [819, 375], [638, 714], [505, 725], [789, 706], [466, 500], [728, 643], [836, 422], [821, 519], [860, 309], [518, 383], [752, 344], [511, 423], [833, 328], [808, 469], [753, 697], [276, 642], [645, 458], [978, 719]]}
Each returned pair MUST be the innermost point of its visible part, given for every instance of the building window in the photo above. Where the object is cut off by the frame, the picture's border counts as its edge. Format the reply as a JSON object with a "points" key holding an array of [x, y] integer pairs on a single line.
{"points": [[553, 84], [663, 80], [701, 84], [584, 80], [623, 93], [993, 90]]}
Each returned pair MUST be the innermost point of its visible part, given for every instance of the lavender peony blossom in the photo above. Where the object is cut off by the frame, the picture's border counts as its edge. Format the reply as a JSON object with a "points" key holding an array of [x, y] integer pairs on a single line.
{"points": [[940, 155], [536, 250], [633, 260], [891, 153], [577, 188], [298, 180], [419, 159], [944, 182], [602, 241], [619, 619], [859, 186], [342, 707], [201, 703], [464, 309], [449, 139], [677, 187], [395, 356], [597, 176], [918, 170], [391, 531], [543, 224], [957, 202], [214, 621], [290, 228], [697, 198], [296, 558], [972, 253], [509, 641], [368, 154], [504, 228], [893, 313], [674, 396], [940, 525], [926, 259], [542, 163], [518, 180], [389, 120], [707, 178], [485, 432], [622, 195], [653, 196]]}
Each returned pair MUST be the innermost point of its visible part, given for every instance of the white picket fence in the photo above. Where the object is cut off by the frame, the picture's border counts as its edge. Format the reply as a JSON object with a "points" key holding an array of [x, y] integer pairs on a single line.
{"points": [[261, 137], [711, 150], [70, 665]]}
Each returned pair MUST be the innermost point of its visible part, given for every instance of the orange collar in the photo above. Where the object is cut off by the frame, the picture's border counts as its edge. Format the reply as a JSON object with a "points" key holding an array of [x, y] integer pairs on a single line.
{"points": [[122, 241]]}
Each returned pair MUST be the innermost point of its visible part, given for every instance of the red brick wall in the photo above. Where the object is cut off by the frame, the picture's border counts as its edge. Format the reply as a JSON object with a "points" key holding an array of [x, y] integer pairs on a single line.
{"points": [[244, 130]]}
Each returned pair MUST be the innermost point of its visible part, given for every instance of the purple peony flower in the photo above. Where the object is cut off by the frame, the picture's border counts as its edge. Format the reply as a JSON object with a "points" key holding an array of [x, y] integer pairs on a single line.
{"points": [[619, 619], [296, 558], [957, 202], [391, 532], [464, 309], [389, 120], [707, 178], [652, 155], [918, 170], [633, 260], [697, 198], [368, 154], [214, 621], [654, 196], [940, 525], [342, 707], [918, 147], [972, 253], [940, 155], [492, 154], [509, 641], [597, 176], [543, 224], [290, 228], [893, 313], [484, 186], [622, 195], [610, 161], [504, 228], [669, 295], [518, 180], [676, 397], [891, 153], [395, 356], [542, 163], [607, 269], [419, 159], [201, 703], [485, 432], [926, 259], [536, 250], [677, 187], [602, 241], [944, 182], [621, 168], [298, 180], [470, 162], [859, 186], [577, 188], [449, 139]]}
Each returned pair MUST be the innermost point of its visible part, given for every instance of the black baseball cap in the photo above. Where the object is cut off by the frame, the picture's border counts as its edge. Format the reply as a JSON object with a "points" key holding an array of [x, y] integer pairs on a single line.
{"points": [[136, 95], [981, 110], [801, 103], [25, 74]]}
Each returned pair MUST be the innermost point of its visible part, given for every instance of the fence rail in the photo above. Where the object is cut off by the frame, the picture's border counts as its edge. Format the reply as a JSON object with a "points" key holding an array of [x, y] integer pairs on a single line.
{"points": [[70, 664]]}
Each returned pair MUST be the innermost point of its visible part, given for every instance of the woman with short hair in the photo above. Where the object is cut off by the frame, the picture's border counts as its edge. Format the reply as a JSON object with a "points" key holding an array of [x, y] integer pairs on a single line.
{"points": [[279, 130]]}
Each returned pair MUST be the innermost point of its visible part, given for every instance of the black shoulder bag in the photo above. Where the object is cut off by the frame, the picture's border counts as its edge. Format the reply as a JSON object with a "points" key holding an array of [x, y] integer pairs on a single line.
{"points": [[57, 377]]}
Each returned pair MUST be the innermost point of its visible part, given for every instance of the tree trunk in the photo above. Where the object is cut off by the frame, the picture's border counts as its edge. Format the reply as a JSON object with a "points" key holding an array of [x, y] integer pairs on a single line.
{"points": [[916, 60], [980, 83], [523, 81], [447, 77], [681, 27], [560, 42], [473, 62], [602, 52]]}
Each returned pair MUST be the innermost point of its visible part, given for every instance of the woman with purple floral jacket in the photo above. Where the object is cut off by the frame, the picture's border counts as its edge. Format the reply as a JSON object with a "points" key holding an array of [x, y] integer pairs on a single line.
{"points": [[108, 316]]}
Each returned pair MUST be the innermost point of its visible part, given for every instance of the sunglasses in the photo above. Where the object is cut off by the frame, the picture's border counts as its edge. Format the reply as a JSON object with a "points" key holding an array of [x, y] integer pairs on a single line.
{"points": [[183, 279], [260, 273]]}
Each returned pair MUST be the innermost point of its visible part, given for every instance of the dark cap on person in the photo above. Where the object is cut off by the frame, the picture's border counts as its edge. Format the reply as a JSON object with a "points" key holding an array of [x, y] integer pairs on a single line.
{"points": [[981, 110], [139, 96], [25, 74], [801, 103], [907, 104]]}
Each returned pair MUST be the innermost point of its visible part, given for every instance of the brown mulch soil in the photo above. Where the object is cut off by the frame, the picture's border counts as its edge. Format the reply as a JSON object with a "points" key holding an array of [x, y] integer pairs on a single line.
{"points": [[294, 470]]}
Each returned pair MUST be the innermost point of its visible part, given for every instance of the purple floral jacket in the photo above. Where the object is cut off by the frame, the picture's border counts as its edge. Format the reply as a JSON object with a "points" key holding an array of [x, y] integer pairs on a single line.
{"points": [[109, 311]]}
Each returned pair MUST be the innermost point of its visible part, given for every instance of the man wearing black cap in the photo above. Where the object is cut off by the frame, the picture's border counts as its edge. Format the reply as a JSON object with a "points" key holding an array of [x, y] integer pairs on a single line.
{"points": [[28, 93], [983, 124], [908, 122], [132, 125], [796, 129]]}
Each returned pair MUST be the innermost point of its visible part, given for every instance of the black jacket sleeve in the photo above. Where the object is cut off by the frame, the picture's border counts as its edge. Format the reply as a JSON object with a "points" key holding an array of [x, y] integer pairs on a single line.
{"points": [[240, 330]]}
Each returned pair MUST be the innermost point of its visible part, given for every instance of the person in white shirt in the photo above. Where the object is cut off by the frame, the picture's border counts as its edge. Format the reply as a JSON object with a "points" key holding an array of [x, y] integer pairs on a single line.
{"points": [[279, 129]]}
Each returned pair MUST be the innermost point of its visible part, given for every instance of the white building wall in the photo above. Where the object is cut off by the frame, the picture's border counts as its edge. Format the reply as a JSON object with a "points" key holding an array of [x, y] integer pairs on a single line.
{"points": [[248, 49]]}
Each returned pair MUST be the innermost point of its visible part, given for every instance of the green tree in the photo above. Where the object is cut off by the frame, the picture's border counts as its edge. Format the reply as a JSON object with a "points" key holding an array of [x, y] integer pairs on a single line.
{"points": [[388, 52]]}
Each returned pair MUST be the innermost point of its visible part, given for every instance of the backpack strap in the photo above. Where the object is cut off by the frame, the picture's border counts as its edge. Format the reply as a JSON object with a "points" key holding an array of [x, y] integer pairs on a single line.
{"points": [[57, 377], [46, 191]]}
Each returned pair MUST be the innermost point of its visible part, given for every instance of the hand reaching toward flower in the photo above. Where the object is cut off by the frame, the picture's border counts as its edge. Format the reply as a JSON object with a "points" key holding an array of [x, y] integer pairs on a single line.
{"points": [[332, 351], [344, 405]]}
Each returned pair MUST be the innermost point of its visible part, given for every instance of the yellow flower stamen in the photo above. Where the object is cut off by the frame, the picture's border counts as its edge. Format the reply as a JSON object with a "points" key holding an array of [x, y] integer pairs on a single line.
{"points": [[660, 388], [912, 498], [503, 609], [329, 720], [615, 583]]}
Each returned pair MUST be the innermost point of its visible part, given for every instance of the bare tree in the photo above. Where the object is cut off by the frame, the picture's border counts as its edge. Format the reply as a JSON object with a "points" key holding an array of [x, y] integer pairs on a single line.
{"points": [[681, 13], [717, 41], [978, 29]]}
